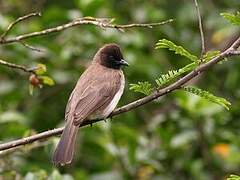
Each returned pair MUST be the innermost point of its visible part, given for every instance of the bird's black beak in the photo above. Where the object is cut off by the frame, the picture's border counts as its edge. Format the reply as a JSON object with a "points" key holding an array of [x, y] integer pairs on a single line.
{"points": [[123, 62]]}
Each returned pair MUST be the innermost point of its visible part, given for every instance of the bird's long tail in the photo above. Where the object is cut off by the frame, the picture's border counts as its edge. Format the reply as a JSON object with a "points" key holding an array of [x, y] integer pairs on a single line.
{"points": [[65, 149]]}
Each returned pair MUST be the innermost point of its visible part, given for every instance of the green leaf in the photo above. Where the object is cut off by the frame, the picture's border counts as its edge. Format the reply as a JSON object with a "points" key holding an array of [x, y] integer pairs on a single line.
{"points": [[30, 176], [41, 69], [172, 74], [165, 78], [47, 80], [177, 49], [55, 175], [30, 89], [233, 177], [39, 175], [210, 55], [183, 138], [142, 87], [12, 116], [189, 67], [232, 18], [207, 95]]}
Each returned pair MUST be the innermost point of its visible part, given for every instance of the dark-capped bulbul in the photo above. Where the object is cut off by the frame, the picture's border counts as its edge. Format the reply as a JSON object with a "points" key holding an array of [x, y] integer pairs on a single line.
{"points": [[95, 95]]}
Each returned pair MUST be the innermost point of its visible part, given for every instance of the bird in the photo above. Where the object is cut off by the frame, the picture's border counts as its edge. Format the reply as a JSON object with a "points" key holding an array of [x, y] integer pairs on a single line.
{"points": [[95, 96]]}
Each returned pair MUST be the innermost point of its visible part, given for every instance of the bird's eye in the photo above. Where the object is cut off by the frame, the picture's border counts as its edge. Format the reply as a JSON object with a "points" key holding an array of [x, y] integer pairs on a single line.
{"points": [[111, 57]]}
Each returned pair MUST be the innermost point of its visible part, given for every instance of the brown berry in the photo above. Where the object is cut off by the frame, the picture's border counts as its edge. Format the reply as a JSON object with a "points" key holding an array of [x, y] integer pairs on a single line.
{"points": [[33, 79]]}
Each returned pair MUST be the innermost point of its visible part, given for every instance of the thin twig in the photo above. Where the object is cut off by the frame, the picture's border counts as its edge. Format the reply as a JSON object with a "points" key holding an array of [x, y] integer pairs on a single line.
{"points": [[149, 25], [16, 66], [19, 149], [200, 29], [100, 22], [30, 47], [174, 86], [10, 26]]}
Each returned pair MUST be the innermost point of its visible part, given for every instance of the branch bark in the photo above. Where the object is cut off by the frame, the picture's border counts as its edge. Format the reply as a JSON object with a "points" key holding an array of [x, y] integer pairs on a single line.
{"points": [[16, 66], [10, 26], [100, 22], [231, 51], [200, 28]]}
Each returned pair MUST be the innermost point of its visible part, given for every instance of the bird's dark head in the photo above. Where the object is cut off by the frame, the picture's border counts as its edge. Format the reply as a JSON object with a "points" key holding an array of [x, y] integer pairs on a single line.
{"points": [[110, 56]]}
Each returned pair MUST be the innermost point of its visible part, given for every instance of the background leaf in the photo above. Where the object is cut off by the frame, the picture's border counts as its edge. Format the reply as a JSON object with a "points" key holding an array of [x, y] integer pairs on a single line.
{"points": [[142, 87], [210, 55], [41, 69], [232, 18], [233, 177], [177, 49], [172, 74], [47, 80], [207, 95]]}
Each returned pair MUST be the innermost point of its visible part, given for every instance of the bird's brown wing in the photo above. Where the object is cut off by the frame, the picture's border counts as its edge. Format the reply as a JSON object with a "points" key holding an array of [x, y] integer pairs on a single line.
{"points": [[86, 79], [68, 107], [93, 99]]}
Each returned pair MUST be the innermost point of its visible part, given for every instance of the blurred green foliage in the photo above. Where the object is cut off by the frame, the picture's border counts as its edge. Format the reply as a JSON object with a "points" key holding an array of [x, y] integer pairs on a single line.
{"points": [[177, 136], [233, 177]]}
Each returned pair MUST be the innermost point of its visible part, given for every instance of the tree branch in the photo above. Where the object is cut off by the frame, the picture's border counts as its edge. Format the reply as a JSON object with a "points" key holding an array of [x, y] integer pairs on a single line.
{"points": [[16, 66], [231, 51], [10, 26], [100, 22], [236, 53], [200, 28], [30, 47]]}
